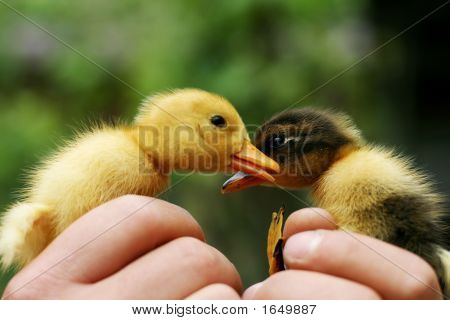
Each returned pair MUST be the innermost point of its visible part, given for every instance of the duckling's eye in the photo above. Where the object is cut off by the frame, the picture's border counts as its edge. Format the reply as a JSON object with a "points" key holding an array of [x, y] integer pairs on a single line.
{"points": [[219, 121], [277, 141]]}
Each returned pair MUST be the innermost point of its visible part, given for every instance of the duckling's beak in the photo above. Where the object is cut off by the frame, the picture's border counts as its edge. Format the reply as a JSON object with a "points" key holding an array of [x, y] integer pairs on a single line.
{"points": [[241, 181], [252, 166]]}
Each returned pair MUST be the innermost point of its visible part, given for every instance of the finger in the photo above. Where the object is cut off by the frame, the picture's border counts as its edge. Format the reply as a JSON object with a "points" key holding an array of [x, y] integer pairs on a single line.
{"points": [[297, 284], [251, 291], [308, 219], [173, 271], [391, 271], [217, 291], [112, 235]]}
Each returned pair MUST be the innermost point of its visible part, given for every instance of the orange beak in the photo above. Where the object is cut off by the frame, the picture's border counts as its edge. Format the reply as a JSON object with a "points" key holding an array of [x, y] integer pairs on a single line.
{"points": [[253, 165]]}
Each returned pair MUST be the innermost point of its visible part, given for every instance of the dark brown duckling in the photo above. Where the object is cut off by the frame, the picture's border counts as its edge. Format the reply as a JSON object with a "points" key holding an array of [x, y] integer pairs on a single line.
{"points": [[368, 189]]}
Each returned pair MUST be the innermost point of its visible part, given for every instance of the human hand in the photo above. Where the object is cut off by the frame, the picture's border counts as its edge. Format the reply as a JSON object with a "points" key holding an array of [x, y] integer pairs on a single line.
{"points": [[324, 263], [157, 252]]}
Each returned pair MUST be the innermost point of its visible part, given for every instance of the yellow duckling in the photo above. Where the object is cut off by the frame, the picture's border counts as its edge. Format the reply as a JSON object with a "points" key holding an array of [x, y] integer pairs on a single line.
{"points": [[368, 189], [186, 129]]}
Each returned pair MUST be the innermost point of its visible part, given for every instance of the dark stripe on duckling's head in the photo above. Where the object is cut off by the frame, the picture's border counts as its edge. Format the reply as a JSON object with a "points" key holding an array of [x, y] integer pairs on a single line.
{"points": [[306, 141]]}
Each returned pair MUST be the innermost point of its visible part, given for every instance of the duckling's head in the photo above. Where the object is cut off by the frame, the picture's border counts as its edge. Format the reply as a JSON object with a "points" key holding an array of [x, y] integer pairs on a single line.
{"points": [[305, 142], [191, 129]]}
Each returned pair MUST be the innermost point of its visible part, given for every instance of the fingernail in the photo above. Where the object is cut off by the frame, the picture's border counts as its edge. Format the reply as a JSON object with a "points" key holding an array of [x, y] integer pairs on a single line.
{"points": [[251, 291], [300, 246]]}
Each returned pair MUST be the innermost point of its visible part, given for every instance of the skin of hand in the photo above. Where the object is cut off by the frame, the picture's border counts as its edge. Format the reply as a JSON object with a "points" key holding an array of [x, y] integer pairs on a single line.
{"points": [[133, 247], [325, 263]]}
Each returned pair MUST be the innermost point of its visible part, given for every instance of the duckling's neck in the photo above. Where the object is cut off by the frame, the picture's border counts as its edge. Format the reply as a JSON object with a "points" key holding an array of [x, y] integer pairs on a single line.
{"points": [[152, 153], [344, 151], [340, 155]]}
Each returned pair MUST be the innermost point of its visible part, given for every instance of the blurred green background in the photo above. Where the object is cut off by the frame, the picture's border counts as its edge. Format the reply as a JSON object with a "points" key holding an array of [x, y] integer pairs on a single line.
{"points": [[262, 55]]}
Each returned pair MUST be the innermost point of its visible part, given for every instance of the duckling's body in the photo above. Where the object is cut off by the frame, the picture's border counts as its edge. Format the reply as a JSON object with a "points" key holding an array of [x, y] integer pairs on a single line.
{"points": [[367, 189], [374, 192], [106, 162], [96, 167]]}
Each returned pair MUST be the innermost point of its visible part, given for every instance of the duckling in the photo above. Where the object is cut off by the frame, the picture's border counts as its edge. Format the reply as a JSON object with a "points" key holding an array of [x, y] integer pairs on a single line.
{"points": [[366, 188], [186, 129]]}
